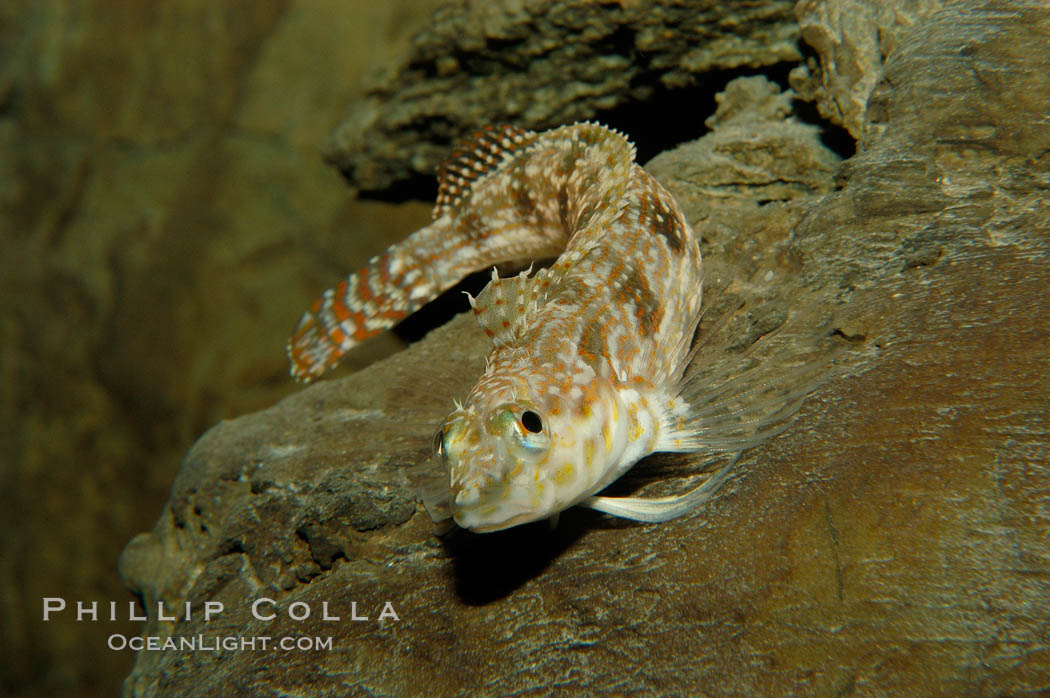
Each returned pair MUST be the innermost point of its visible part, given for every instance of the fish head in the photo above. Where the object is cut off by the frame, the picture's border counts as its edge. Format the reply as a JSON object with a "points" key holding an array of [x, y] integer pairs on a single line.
{"points": [[497, 448]]}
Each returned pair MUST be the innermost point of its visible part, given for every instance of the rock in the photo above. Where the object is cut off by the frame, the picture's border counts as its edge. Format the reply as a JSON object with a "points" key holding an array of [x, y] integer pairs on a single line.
{"points": [[853, 39], [754, 155], [540, 64], [893, 541]]}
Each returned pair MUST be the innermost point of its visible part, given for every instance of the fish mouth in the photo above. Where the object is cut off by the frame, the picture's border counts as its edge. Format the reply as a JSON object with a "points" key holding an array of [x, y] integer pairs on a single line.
{"points": [[496, 518], [522, 518]]}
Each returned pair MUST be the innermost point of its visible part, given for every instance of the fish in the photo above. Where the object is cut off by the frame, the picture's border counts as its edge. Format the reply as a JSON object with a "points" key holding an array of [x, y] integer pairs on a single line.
{"points": [[586, 375]]}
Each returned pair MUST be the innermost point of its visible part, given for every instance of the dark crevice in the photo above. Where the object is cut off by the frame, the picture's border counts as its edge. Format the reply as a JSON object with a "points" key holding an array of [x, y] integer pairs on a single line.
{"points": [[665, 118], [415, 188], [851, 338], [834, 137], [670, 117], [230, 546], [621, 42], [324, 549]]}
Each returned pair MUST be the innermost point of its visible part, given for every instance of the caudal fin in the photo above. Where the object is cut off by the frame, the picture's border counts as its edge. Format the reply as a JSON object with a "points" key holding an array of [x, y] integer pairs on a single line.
{"points": [[362, 306]]}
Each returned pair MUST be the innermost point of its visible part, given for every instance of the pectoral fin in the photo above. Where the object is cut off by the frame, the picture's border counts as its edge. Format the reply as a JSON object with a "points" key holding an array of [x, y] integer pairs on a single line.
{"points": [[657, 509]]}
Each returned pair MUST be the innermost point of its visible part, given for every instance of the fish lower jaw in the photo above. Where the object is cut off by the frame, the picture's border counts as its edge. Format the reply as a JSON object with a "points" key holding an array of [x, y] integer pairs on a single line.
{"points": [[471, 524], [477, 516]]}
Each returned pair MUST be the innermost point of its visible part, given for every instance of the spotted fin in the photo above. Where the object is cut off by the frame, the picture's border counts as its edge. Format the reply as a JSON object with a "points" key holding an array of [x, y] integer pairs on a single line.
{"points": [[503, 307], [475, 157], [657, 509]]}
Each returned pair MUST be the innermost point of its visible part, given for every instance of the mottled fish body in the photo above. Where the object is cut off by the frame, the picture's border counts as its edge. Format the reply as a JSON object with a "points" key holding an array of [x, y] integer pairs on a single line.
{"points": [[585, 377]]}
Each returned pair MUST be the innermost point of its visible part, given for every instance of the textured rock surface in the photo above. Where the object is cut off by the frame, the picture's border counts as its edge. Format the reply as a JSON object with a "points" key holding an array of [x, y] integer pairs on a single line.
{"points": [[893, 541], [852, 38], [540, 64]]}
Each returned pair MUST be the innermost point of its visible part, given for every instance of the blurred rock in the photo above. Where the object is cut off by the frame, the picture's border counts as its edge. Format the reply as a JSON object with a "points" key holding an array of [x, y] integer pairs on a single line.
{"points": [[893, 541], [165, 216]]}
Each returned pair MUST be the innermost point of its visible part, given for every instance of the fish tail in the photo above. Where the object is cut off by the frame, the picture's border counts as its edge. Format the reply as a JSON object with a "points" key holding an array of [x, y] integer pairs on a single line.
{"points": [[381, 294], [310, 351]]}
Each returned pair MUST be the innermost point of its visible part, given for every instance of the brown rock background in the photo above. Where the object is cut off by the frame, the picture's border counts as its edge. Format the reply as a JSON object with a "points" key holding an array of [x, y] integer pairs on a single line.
{"points": [[168, 219], [165, 217]]}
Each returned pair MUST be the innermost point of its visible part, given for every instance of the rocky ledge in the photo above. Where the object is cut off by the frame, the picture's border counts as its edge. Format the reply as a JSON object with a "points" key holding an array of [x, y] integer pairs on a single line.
{"points": [[541, 64]]}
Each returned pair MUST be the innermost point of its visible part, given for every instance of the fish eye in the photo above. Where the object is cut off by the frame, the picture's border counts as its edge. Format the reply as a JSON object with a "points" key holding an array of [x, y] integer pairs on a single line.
{"points": [[531, 421], [439, 443]]}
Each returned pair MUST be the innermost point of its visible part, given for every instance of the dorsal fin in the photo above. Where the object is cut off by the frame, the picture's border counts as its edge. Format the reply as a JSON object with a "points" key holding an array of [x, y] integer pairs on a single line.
{"points": [[503, 306], [472, 159]]}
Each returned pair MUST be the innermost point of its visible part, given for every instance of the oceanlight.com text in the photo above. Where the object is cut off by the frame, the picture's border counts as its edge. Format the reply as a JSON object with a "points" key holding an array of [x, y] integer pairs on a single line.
{"points": [[225, 643]]}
